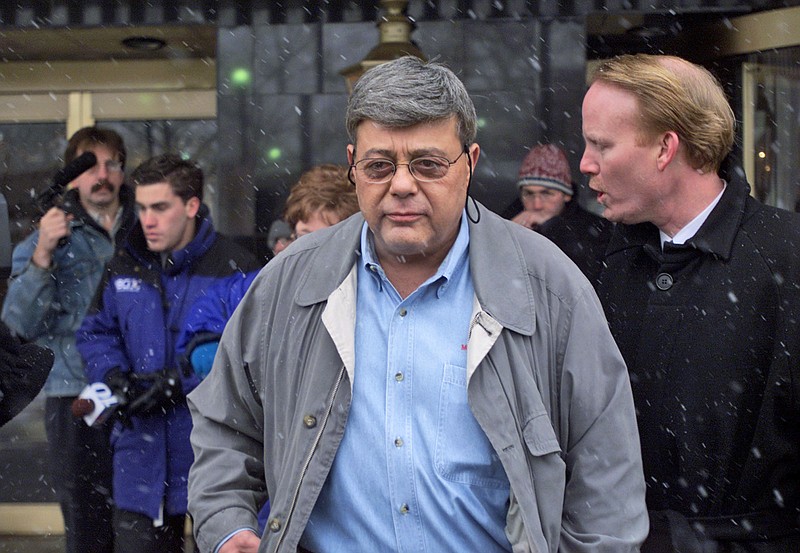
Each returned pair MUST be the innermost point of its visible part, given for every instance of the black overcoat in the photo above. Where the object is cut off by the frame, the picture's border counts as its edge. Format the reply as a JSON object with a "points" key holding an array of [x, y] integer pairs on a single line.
{"points": [[709, 331]]}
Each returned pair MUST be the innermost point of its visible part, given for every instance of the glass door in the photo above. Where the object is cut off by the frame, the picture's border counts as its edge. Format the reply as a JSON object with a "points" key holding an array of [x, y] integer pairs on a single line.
{"points": [[771, 123]]}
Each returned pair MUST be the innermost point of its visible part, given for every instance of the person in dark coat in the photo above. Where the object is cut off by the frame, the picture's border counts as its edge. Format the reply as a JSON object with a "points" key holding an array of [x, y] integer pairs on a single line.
{"points": [[701, 292], [23, 371], [549, 206]]}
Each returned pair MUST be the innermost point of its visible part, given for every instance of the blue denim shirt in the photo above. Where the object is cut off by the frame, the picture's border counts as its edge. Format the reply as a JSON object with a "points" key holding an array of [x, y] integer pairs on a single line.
{"points": [[48, 305]]}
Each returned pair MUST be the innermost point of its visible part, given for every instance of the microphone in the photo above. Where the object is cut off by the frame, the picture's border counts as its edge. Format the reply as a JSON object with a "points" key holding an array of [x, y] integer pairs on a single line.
{"points": [[66, 175], [74, 169], [96, 403]]}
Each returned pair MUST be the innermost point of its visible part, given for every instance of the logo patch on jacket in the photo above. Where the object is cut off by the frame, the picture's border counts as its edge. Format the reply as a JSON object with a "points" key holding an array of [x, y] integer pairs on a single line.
{"points": [[128, 284]]}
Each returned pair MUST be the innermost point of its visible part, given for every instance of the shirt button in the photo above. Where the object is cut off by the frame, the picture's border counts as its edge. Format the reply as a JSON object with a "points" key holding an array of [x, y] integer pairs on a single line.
{"points": [[274, 525], [398, 377], [310, 421], [403, 312], [664, 281], [404, 509], [398, 442]]}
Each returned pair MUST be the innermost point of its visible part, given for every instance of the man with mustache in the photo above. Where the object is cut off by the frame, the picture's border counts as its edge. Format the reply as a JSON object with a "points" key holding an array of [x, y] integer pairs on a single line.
{"points": [[701, 292], [55, 272]]}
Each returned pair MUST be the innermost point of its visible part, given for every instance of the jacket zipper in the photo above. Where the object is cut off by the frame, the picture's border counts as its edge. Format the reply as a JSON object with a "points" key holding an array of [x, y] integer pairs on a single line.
{"points": [[307, 461]]}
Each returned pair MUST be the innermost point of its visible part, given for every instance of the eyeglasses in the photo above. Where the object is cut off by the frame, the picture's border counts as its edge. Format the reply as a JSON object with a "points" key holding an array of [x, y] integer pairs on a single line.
{"points": [[545, 195], [424, 169], [111, 166]]}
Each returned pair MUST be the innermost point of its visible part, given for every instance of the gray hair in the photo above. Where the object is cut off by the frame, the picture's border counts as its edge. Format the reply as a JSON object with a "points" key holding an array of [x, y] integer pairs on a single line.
{"points": [[408, 91]]}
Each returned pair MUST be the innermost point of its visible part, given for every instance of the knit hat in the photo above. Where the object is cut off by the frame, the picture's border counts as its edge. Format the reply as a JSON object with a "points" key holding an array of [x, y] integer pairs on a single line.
{"points": [[546, 165]]}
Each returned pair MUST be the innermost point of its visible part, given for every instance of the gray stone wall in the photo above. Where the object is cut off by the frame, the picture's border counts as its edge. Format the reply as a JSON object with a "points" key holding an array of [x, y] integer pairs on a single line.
{"points": [[525, 76]]}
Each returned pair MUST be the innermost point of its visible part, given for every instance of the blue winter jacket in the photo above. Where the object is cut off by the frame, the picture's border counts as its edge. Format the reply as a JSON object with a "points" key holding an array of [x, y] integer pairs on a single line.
{"points": [[133, 324], [207, 317], [48, 305]]}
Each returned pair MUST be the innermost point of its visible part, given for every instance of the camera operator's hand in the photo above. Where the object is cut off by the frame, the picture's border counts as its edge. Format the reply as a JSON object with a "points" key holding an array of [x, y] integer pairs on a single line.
{"points": [[54, 225]]}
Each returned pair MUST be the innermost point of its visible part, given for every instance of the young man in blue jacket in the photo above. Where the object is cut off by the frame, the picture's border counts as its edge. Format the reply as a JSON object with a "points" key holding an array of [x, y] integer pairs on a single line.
{"points": [[128, 341], [55, 272]]}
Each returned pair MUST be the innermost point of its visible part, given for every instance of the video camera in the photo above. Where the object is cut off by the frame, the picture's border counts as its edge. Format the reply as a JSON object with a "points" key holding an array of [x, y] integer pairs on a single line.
{"points": [[51, 196]]}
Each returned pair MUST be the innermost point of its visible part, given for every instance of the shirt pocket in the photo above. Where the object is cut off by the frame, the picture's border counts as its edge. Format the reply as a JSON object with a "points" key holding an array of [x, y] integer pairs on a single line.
{"points": [[463, 452]]}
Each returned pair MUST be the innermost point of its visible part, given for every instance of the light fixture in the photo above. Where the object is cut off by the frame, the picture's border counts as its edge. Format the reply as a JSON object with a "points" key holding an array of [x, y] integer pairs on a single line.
{"points": [[395, 41], [144, 43]]}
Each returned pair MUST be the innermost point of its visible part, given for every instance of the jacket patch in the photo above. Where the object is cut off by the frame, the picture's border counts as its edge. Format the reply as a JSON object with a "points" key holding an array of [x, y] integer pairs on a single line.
{"points": [[128, 284]]}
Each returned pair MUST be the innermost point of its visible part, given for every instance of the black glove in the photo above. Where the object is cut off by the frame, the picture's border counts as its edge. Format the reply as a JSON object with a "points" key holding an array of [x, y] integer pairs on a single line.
{"points": [[155, 392], [120, 384], [145, 393]]}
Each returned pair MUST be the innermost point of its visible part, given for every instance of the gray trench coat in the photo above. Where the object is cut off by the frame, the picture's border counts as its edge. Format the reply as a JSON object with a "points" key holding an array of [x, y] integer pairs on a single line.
{"points": [[546, 383]]}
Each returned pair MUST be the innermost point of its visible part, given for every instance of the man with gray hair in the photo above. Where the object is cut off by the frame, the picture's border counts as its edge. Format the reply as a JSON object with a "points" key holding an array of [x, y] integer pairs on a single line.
{"points": [[388, 395]]}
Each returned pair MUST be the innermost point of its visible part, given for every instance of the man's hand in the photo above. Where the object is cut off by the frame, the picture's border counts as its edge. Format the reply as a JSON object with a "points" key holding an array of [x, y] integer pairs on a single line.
{"points": [[243, 542], [145, 393], [53, 226], [154, 392], [526, 219]]}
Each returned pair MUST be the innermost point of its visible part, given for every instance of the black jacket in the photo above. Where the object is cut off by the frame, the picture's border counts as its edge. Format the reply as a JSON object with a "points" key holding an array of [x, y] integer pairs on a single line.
{"points": [[710, 333], [72, 205], [582, 235], [23, 370]]}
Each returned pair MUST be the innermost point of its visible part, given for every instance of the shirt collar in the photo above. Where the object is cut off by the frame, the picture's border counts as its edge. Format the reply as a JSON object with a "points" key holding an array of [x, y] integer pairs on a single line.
{"points": [[689, 230], [95, 215], [716, 235]]}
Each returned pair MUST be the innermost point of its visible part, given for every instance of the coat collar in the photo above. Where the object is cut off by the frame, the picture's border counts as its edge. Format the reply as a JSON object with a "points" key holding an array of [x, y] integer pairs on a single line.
{"points": [[716, 237], [179, 260], [495, 257]]}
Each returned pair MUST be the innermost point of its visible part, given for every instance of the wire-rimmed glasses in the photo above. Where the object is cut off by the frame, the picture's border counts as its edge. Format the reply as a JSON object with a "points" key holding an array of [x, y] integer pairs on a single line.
{"points": [[424, 168]]}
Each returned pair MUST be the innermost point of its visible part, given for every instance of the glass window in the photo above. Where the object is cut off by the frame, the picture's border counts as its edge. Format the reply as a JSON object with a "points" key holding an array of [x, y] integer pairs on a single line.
{"points": [[772, 94], [29, 157]]}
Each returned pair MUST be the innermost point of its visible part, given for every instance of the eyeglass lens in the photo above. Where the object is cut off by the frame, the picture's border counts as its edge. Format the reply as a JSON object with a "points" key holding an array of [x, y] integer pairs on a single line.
{"points": [[427, 168], [111, 166]]}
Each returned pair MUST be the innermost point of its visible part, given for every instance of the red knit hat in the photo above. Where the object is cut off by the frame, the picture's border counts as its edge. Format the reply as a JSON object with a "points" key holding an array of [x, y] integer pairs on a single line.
{"points": [[546, 165]]}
